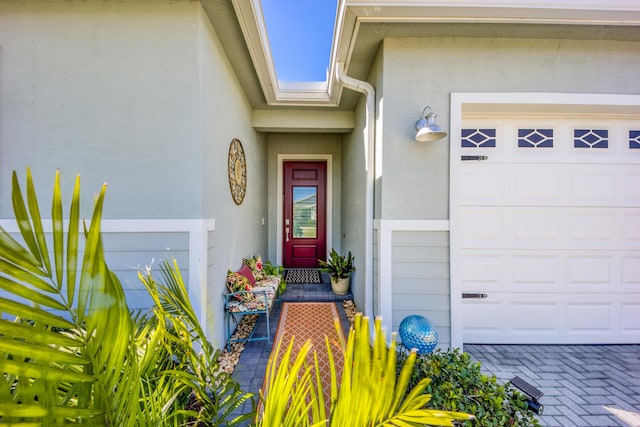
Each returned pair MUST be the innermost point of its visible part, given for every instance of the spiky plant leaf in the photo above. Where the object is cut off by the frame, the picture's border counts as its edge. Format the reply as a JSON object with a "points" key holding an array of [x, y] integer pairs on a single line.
{"points": [[72, 241], [204, 394], [372, 379], [369, 393], [74, 355], [53, 370]]}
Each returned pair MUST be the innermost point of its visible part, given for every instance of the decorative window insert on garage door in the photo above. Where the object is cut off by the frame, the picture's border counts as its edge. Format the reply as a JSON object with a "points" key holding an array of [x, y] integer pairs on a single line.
{"points": [[545, 219]]}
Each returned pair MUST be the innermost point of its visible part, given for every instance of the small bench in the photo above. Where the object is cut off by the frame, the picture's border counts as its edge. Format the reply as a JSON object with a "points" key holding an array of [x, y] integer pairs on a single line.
{"points": [[265, 295], [249, 296]]}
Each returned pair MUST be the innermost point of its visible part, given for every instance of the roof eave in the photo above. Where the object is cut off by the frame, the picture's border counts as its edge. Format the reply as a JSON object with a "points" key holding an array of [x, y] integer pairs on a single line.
{"points": [[350, 14]]}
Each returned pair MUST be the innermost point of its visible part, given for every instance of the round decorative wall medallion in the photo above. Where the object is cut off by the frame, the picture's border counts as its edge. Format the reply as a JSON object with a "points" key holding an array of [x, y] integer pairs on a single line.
{"points": [[237, 171]]}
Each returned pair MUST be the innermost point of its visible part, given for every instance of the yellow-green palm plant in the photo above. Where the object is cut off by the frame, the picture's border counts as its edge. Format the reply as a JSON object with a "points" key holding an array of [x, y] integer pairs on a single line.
{"points": [[370, 392], [181, 367], [290, 397], [74, 354], [68, 355]]}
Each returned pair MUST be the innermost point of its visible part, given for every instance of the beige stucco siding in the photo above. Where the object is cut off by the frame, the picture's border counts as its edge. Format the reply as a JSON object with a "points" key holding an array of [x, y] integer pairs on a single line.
{"points": [[141, 95], [376, 307], [107, 90], [414, 178], [354, 212], [420, 72], [358, 166], [224, 114]]}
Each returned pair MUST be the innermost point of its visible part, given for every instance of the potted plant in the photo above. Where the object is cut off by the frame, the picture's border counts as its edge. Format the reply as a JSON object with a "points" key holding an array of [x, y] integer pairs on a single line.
{"points": [[340, 268]]}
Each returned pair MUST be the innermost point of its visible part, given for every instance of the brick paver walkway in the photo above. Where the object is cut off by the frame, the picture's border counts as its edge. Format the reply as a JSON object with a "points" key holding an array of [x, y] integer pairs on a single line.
{"points": [[253, 362], [583, 385]]}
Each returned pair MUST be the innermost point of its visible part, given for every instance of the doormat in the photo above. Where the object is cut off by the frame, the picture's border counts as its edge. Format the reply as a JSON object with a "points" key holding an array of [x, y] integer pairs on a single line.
{"points": [[302, 276], [312, 321]]}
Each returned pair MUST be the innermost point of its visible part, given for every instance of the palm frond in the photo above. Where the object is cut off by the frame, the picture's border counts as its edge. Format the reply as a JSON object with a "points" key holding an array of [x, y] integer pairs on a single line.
{"points": [[371, 372], [185, 359], [369, 393], [45, 358]]}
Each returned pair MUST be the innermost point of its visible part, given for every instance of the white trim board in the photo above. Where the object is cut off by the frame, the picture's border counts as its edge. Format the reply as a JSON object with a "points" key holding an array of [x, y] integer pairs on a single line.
{"points": [[131, 225]]}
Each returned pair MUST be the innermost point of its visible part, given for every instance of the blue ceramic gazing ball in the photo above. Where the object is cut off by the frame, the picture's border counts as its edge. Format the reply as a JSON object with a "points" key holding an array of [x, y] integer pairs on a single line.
{"points": [[418, 332]]}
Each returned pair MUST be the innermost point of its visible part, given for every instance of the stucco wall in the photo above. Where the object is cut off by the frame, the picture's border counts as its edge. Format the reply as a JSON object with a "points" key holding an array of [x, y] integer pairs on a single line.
{"points": [[414, 178], [420, 72], [108, 90], [357, 161], [376, 77], [225, 113], [139, 94], [354, 212]]}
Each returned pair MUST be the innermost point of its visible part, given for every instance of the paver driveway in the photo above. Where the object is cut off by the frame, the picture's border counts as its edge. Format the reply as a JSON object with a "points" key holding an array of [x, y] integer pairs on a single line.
{"points": [[583, 385]]}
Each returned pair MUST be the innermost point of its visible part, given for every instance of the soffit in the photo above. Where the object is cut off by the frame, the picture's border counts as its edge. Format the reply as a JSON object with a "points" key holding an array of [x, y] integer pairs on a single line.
{"points": [[371, 35], [361, 27]]}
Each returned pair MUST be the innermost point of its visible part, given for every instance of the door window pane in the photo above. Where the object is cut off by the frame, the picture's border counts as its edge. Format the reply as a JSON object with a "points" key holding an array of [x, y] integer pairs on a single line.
{"points": [[305, 212]]}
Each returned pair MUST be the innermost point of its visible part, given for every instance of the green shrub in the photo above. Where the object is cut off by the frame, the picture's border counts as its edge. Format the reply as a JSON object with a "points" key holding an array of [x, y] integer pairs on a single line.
{"points": [[458, 385], [276, 270]]}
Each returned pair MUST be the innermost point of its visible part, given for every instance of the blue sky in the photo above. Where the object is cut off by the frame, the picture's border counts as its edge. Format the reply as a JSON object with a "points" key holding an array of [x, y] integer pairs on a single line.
{"points": [[300, 34]]}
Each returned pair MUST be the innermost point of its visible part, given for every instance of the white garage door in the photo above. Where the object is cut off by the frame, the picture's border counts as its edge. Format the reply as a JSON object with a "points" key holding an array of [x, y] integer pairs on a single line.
{"points": [[547, 229]]}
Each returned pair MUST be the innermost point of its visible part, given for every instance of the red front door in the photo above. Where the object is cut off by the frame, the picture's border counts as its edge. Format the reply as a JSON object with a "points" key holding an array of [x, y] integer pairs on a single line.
{"points": [[305, 214]]}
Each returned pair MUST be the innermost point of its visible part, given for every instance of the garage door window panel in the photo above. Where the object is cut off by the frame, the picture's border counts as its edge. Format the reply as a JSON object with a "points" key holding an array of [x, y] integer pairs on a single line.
{"points": [[478, 138], [591, 138], [634, 139], [535, 138]]}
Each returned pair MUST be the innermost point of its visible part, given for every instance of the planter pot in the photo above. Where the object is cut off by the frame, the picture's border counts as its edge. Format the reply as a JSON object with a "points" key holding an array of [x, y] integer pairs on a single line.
{"points": [[340, 286]]}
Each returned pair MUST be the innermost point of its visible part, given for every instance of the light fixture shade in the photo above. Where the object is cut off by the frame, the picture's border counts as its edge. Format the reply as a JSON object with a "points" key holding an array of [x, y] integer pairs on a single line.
{"points": [[427, 129]]}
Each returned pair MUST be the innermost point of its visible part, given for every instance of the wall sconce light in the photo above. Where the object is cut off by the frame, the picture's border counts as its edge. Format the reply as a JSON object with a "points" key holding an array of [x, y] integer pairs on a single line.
{"points": [[427, 128]]}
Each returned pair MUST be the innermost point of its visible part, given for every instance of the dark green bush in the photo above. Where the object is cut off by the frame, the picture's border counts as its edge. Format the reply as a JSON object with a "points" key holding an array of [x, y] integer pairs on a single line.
{"points": [[458, 385]]}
